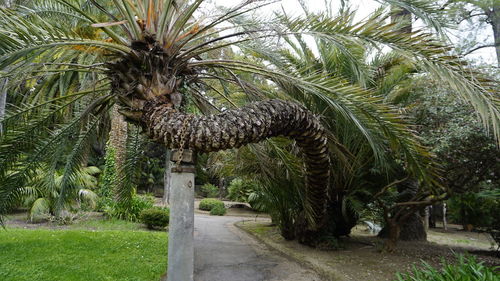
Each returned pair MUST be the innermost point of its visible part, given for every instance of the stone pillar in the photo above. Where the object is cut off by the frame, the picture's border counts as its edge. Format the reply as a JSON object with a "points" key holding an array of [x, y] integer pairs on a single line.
{"points": [[166, 177], [181, 228]]}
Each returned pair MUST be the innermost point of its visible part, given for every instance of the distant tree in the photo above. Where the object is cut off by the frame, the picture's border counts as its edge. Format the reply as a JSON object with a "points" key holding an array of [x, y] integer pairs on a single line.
{"points": [[482, 11]]}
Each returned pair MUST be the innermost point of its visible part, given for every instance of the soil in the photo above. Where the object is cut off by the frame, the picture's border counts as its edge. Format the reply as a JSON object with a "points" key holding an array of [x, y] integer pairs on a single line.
{"points": [[361, 256]]}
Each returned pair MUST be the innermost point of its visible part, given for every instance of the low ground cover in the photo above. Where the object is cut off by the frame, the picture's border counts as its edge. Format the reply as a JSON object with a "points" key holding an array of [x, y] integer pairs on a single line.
{"points": [[95, 253]]}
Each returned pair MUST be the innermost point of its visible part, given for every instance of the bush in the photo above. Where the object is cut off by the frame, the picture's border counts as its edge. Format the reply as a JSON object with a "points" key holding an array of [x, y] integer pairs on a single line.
{"points": [[218, 210], [473, 208], [131, 209], [239, 189], [467, 269], [210, 190], [155, 218], [208, 204]]}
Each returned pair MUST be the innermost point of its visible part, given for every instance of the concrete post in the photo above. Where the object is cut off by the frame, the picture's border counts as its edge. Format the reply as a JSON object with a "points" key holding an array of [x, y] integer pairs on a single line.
{"points": [[166, 177], [181, 229]]}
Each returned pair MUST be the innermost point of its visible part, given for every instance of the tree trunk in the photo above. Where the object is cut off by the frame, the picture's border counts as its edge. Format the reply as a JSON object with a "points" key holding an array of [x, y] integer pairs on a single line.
{"points": [[118, 141], [166, 178], [412, 228], [250, 124], [393, 235], [494, 18], [3, 100]]}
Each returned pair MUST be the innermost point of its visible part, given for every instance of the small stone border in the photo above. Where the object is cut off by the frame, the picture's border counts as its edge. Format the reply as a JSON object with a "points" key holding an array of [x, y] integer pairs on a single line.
{"points": [[289, 254]]}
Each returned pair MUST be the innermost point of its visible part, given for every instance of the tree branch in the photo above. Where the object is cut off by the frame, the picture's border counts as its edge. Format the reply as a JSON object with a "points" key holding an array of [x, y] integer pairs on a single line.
{"points": [[480, 47]]}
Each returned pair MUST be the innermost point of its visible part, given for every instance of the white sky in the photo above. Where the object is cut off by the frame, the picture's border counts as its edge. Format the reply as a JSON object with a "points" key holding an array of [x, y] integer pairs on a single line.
{"points": [[365, 7]]}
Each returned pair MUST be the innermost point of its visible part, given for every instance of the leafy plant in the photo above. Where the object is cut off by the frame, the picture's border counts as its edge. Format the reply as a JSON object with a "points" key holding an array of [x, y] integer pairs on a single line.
{"points": [[467, 269], [210, 190], [131, 209], [43, 192], [471, 208], [208, 204], [155, 218], [218, 210], [239, 189]]}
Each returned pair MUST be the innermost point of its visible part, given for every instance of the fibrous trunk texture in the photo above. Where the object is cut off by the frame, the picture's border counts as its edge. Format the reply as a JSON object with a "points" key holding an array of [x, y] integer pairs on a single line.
{"points": [[118, 141], [250, 124]]}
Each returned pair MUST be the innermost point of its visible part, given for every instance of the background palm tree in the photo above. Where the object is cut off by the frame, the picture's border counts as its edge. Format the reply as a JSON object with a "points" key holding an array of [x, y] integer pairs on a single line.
{"points": [[366, 153]]}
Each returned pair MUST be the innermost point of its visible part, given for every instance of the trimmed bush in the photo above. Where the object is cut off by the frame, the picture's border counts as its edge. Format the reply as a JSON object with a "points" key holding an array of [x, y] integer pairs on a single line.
{"points": [[467, 269], [209, 203], [218, 210], [155, 218]]}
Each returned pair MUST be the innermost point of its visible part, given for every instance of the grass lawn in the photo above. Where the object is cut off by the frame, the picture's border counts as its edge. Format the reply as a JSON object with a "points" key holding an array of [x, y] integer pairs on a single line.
{"points": [[44, 254]]}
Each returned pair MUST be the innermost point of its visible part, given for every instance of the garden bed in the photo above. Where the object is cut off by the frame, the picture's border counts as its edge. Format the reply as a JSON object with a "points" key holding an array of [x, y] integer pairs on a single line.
{"points": [[361, 257]]}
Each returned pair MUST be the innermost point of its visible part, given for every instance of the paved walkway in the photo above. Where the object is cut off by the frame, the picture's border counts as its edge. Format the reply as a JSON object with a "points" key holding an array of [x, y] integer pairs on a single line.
{"points": [[225, 253]]}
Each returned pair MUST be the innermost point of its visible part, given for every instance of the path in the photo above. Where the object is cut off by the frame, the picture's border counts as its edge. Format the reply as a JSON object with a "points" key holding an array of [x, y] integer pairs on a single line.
{"points": [[225, 253]]}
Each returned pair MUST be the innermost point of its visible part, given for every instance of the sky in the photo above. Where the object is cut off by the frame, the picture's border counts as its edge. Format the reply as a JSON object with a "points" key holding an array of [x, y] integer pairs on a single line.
{"points": [[364, 8]]}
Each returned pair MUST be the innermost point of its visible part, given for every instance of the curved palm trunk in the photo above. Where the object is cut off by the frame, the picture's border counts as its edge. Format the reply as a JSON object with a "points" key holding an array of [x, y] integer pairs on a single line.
{"points": [[250, 124]]}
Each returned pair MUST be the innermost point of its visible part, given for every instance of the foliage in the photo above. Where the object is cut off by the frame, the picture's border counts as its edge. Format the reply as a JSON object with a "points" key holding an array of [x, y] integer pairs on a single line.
{"points": [[218, 210], [210, 190], [468, 153], [467, 269], [155, 218], [78, 254], [239, 189], [72, 65], [276, 170], [472, 208], [108, 177], [129, 210], [42, 193], [208, 204]]}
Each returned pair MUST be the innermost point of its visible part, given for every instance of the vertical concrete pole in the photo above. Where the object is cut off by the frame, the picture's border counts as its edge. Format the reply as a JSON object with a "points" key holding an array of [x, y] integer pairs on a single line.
{"points": [[181, 228]]}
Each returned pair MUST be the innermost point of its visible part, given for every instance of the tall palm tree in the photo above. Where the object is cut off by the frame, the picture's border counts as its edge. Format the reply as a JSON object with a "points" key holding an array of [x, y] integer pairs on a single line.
{"points": [[154, 58]]}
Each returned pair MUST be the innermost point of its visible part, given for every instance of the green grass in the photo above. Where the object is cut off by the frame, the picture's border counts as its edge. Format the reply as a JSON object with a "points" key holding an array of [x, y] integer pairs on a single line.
{"points": [[82, 255], [107, 224]]}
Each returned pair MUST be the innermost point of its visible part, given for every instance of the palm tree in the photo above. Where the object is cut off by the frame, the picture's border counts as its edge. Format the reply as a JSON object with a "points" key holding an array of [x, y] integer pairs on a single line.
{"points": [[150, 62], [365, 149], [154, 58]]}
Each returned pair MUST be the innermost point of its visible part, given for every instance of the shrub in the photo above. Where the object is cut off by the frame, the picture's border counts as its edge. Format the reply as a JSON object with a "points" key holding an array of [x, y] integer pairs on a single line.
{"points": [[155, 218], [218, 210], [239, 189], [210, 190], [467, 269], [130, 209], [209, 203]]}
